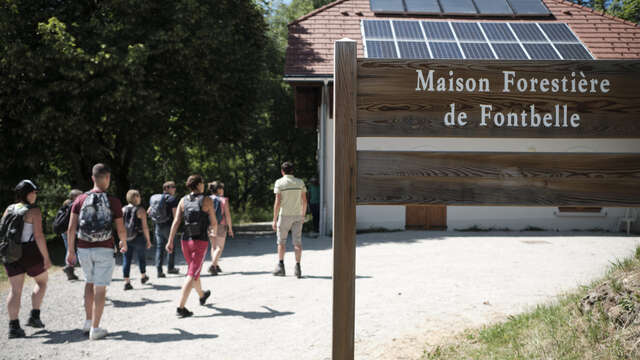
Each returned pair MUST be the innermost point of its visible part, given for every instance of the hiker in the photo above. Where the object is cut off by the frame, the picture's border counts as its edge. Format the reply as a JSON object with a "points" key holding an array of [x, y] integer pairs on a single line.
{"points": [[61, 224], [196, 211], [138, 241], [162, 210], [92, 217], [23, 249], [223, 217], [288, 215], [314, 203]]}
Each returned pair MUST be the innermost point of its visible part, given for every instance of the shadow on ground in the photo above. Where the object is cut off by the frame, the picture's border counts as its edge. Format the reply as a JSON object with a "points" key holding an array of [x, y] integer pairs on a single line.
{"points": [[73, 336], [253, 315]]}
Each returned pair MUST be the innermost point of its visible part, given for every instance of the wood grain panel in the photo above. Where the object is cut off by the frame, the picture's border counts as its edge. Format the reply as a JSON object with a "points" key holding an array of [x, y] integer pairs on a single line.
{"points": [[535, 179], [389, 105]]}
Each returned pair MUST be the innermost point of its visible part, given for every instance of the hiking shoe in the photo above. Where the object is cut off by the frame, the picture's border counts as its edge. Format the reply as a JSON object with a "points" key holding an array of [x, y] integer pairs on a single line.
{"points": [[86, 328], [128, 286], [70, 274], [173, 271], [35, 322], [218, 268], [204, 297], [15, 333], [144, 279], [183, 313], [97, 333], [279, 271], [161, 274], [213, 270], [298, 271]]}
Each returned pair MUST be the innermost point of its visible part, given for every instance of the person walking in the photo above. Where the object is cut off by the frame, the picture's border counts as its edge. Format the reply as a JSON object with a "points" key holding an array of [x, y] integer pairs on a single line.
{"points": [[93, 215], [289, 209], [61, 224], [196, 211], [223, 217], [138, 241], [24, 220], [162, 210], [314, 203]]}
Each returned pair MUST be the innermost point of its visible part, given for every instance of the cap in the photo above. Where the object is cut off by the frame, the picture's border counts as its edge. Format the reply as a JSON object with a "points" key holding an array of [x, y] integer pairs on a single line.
{"points": [[26, 185]]}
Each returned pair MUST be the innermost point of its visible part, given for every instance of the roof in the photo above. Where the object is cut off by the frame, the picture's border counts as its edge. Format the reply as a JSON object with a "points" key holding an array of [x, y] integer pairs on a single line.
{"points": [[311, 37]]}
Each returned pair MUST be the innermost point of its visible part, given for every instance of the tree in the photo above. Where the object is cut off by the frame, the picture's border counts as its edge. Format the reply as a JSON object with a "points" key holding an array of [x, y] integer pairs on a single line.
{"points": [[624, 9]]}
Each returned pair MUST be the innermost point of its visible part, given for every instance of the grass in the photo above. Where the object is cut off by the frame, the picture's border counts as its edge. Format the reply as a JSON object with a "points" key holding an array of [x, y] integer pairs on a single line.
{"points": [[559, 330]]}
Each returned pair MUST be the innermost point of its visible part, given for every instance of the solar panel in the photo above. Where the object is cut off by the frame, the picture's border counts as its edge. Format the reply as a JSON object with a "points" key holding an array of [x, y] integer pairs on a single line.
{"points": [[541, 52], [387, 6], [445, 50], [408, 30], [477, 51], [458, 7], [558, 32], [528, 32], [573, 52], [413, 50], [493, 7], [468, 31], [423, 6], [498, 32], [437, 30], [529, 7], [506, 51], [377, 29], [381, 49]]}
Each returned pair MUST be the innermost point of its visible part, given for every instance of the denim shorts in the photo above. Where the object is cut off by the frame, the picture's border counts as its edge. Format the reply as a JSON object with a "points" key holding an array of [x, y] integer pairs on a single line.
{"points": [[97, 265]]}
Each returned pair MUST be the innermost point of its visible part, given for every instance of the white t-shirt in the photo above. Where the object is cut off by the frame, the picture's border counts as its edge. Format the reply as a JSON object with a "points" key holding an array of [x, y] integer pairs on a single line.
{"points": [[291, 189]]}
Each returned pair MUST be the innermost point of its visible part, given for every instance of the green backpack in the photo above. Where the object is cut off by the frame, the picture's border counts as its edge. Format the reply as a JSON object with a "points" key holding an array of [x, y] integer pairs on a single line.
{"points": [[11, 233]]}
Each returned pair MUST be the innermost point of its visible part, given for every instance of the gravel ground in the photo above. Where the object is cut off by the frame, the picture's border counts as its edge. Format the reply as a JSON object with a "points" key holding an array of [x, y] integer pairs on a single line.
{"points": [[413, 290]]}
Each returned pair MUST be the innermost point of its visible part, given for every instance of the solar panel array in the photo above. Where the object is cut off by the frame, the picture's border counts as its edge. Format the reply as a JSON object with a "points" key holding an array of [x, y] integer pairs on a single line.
{"points": [[461, 7], [402, 39]]}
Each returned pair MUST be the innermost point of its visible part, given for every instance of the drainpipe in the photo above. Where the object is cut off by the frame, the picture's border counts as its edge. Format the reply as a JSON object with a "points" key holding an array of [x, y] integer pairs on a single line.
{"points": [[322, 156]]}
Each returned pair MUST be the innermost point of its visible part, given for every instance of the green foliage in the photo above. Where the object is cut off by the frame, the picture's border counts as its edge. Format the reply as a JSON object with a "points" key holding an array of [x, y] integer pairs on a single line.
{"points": [[624, 9]]}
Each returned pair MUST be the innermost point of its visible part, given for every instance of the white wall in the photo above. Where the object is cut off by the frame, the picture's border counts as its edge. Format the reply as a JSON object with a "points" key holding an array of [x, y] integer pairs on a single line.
{"points": [[387, 217]]}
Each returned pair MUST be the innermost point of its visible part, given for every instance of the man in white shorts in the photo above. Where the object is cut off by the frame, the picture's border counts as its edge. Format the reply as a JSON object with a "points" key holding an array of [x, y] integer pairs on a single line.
{"points": [[288, 215]]}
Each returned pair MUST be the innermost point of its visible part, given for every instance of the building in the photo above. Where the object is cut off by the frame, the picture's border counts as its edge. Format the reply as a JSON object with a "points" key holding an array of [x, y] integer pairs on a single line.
{"points": [[480, 29]]}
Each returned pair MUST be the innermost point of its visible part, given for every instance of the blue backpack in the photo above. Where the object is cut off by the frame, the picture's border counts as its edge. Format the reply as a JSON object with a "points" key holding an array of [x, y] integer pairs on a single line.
{"points": [[217, 206]]}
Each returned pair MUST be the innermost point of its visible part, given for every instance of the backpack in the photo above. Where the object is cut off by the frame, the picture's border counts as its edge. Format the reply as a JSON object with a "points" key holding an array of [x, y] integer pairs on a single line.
{"points": [[131, 223], [158, 211], [95, 219], [217, 206], [195, 220], [11, 227], [61, 221]]}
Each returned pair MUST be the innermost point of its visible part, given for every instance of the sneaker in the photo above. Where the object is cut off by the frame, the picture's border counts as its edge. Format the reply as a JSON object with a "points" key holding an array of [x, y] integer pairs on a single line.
{"points": [[16, 333], [127, 286], [70, 274], [183, 312], [279, 271], [144, 279], [161, 274], [204, 297], [173, 271], [86, 328], [97, 333], [298, 271], [218, 269], [212, 270], [35, 322]]}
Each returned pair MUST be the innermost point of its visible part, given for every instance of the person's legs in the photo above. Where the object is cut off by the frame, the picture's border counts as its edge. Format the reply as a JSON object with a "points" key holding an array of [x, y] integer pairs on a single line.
{"points": [[171, 264], [219, 247], [126, 262], [99, 297], [315, 213], [39, 290], [161, 243], [142, 260], [296, 236], [15, 294], [88, 301], [187, 252], [103, 272]]}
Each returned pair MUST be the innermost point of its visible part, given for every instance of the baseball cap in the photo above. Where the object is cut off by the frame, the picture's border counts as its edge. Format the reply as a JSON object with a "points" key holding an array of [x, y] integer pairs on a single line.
{"points": [[26, 186]]}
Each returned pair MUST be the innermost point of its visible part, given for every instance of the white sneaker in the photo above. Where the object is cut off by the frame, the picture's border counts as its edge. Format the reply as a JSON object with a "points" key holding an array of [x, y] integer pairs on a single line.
{"points": [[98, 333], [86, 328]]}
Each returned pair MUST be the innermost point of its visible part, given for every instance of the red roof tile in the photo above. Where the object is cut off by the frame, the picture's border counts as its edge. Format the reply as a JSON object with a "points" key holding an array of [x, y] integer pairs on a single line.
{"points": [[311, 37]]}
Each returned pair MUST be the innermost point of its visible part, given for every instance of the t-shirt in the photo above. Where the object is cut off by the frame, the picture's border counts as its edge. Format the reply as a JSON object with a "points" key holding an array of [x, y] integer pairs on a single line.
{"points": [[314, 194], [291, 189], [116, 213]]}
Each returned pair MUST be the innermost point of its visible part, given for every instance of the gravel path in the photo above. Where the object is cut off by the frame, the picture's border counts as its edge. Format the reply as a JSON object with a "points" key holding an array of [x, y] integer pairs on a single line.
{"points": [[413, 289]]}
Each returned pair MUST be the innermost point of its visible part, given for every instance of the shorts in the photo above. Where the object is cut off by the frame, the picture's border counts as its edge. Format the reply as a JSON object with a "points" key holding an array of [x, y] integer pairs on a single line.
{"points": [[222, 231], [97, 265], [293, 224], [194, 252], [30, 263]]}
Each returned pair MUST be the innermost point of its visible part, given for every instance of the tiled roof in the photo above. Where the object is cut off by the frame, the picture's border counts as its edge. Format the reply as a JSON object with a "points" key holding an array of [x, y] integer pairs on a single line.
{"points": [[311, 37]]}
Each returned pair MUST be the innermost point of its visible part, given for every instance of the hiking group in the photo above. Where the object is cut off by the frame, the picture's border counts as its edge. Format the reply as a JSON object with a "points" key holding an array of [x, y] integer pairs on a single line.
{"points": [[94, 226]]}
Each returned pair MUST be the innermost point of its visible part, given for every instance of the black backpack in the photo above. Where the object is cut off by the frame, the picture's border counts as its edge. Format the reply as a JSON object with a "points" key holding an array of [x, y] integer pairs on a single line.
{"points": [[196, 221], [158, 211], [61, 221], [11, 227], [95, 218], [131, 221]]}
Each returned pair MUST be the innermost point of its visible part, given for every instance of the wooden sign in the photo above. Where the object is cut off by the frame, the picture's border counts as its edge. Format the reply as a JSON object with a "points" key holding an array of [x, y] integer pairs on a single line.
{"points": [[487, 98]]}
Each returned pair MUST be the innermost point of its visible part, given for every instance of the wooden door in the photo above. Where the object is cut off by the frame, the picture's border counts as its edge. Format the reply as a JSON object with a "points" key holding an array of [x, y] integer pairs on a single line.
{"points": [[426, 217]]}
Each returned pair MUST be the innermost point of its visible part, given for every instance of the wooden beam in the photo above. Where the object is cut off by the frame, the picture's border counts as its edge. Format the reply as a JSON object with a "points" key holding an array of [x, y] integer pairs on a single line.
{"points": [[389, 103], [344, 199], [535, 179]]}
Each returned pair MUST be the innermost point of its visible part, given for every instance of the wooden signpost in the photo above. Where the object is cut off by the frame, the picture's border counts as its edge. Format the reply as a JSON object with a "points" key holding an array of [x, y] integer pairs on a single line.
{"points": [[480, 98]]}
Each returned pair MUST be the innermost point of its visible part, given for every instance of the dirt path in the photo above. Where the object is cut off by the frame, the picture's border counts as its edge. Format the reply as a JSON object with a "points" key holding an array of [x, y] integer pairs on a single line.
{"points": [[413, 288]]}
